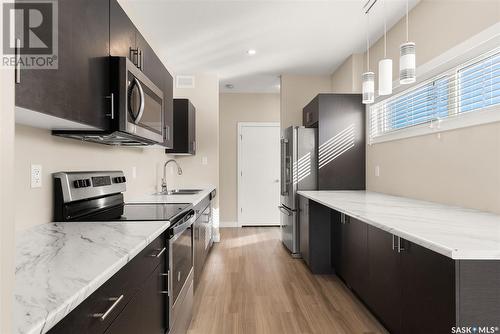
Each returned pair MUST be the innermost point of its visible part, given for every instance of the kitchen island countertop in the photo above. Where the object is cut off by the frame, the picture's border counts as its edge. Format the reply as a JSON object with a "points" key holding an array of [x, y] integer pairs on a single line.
{"points": [[456, 232]]}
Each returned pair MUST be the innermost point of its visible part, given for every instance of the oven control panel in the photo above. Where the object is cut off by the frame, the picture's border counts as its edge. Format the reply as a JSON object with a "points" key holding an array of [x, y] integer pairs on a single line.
{"points": [[76, 186]]}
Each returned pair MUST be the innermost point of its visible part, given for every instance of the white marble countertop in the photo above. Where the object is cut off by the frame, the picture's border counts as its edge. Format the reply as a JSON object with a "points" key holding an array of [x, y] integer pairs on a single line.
{"points": [[453, 231], [58, 265], [194, 199]]}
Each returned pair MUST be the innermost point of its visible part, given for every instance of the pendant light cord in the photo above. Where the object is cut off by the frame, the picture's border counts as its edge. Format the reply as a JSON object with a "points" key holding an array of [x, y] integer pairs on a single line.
{"points": [[407, 37], [367, 42], [385, 32]]}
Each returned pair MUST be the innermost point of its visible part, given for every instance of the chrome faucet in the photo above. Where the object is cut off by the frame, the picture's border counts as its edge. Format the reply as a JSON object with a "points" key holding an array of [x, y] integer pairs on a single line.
{"points": [[164, 188]]}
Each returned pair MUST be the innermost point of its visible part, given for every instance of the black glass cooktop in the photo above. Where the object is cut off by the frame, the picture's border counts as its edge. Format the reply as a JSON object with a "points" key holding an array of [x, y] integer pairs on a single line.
{"points": [[141, 212]]}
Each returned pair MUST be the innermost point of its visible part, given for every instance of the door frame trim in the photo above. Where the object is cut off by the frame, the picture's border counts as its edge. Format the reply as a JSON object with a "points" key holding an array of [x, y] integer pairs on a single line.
{"points": [[241, 125]]}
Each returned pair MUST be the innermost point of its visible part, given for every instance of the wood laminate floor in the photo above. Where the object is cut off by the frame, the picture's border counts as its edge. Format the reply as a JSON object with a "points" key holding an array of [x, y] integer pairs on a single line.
{"points": [[251, 285]]}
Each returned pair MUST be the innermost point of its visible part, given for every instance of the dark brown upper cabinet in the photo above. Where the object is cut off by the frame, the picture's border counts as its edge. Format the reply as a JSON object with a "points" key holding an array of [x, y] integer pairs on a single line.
{"points": [[184, 128], [122, 33], [89, 31], [168, 96], [77, 89], [340, 120], [127, 41]]}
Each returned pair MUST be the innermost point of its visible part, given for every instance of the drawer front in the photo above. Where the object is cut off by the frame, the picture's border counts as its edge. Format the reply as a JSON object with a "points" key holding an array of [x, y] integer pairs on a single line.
{"points": [[97, 312]]}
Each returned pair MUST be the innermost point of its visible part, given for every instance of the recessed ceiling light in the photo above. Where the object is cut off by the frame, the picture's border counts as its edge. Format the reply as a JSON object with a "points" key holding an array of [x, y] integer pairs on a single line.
{"points": [[229, 86], [251, 52]]}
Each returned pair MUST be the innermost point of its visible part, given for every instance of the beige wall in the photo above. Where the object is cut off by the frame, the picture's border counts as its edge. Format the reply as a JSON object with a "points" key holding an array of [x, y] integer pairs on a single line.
{"points": [[37, 146], [296, 92], [347, 77], [7, 222], [205, 98], [461, 168], [435, 27], [236, 108]]}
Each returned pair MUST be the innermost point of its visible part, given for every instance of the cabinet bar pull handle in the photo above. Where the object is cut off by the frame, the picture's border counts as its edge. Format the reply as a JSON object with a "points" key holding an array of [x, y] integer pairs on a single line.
{"points": [[139, 61], [160, 253], [103, 316], [142, 61], [18, 61], [134, 55], [400, 248], [112, 99], [393, 242], [165, 292]]}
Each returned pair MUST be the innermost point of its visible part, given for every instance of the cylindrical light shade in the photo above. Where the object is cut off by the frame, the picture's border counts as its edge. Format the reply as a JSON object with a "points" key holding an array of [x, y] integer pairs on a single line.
{"points": [[368, 87], [385, 77], [407, 63]]}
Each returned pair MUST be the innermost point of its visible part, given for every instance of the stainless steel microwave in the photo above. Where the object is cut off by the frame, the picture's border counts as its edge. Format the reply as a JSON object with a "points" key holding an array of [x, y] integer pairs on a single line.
{"points": [[140, 102], [136, 109]]}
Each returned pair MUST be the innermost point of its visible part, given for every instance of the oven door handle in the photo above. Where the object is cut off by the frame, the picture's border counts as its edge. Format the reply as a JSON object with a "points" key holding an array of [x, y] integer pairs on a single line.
{"points": [[176, 230]]}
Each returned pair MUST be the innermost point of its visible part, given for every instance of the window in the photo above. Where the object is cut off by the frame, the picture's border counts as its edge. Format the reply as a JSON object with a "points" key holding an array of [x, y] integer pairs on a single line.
{"points": [[479, 84], [470, 87]]}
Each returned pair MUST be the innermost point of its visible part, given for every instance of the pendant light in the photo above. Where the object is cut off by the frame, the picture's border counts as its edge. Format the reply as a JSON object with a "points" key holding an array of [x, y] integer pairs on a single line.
{"points": [[368, 78], [407, 61], [385, 67]]}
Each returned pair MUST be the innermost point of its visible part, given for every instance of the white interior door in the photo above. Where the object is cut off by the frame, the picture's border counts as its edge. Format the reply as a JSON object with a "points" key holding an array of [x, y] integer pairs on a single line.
{"points": [[258, 174]]}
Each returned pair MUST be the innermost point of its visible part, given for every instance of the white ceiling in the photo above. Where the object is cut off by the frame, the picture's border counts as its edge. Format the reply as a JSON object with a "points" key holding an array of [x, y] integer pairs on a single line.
{"points": [[291, 37]]}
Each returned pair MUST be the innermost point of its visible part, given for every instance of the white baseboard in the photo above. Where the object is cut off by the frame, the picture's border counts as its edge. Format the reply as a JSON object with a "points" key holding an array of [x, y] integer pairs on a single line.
{"points": [[228, 224], [237, 224]]}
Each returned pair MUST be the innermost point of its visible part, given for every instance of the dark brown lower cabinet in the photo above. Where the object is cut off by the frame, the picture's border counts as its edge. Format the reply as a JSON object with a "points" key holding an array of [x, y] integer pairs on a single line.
{"points": [[351, 253], [315, 235], [411, 289], [145, 313], [384, 278], [137, 286], [428, 291]]}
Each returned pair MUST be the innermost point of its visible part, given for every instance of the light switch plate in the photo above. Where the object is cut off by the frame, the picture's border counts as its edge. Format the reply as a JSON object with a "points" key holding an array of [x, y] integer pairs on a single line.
{"points": [[36, 176], [377, 171], [204, 160]]}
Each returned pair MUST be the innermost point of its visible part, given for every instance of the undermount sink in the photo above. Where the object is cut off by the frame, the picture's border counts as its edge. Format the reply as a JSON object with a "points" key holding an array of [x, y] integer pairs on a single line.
{"points": [[180, 192]]}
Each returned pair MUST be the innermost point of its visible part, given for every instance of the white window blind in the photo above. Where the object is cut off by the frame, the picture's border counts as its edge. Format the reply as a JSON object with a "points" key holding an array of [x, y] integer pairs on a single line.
{"points": [[467, 88]]}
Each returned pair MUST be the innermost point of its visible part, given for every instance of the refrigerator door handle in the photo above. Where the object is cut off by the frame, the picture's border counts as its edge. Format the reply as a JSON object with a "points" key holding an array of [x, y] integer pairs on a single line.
{"points": [[284, 167], [285, 210]]}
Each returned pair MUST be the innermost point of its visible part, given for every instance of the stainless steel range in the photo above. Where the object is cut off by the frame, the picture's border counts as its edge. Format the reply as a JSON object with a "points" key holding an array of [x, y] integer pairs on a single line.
{"points": [[98, 196]]}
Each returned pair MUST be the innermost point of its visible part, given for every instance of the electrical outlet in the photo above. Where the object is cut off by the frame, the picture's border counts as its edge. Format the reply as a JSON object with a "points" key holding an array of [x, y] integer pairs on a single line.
{"points": [[36, 176], [134, 172], [377, 171], [204, 160]]}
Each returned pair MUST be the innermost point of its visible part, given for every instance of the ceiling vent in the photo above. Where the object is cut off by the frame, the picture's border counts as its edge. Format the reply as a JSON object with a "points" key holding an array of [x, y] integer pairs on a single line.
{"points": [[184, 81]]}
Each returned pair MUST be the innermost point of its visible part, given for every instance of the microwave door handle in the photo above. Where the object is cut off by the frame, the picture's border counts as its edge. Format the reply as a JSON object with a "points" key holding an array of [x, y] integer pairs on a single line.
{"points": [[141, 105]]}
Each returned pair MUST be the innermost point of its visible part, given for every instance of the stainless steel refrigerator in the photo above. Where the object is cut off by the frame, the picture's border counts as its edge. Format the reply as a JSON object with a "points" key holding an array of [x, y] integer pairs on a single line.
{"points": [[298, 172]]}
